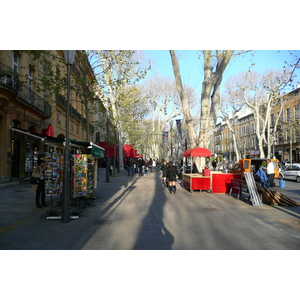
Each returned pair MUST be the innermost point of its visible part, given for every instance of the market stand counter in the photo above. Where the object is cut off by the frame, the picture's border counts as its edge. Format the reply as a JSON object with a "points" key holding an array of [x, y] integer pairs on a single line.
{"points": [[221, 182], [196, 181], [217, 182]]}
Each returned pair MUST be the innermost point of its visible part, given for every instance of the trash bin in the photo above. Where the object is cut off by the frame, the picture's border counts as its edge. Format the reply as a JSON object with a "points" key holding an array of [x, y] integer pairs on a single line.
{"points": [[282, 183]]}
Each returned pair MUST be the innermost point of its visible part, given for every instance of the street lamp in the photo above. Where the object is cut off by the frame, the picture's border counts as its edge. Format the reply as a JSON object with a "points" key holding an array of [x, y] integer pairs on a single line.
{"points": [[171, 125], [69, 58]]}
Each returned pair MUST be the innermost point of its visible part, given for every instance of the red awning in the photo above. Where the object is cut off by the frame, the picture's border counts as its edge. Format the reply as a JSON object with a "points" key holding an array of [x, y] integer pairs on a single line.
{"points": [[202, 152], [110, 148]]}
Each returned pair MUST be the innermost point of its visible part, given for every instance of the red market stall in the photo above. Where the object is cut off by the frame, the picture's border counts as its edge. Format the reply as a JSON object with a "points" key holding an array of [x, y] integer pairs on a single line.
{"points": [[214, 182], [221, 182], [197, 181], [130, 151], [110, 149]]}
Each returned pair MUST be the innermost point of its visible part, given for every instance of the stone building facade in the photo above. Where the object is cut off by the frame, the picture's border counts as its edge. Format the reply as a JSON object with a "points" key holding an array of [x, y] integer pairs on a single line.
{"points": [[28, 105]]}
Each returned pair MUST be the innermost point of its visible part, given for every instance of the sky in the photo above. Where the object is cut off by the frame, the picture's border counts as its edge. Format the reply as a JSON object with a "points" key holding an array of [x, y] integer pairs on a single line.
{"points": [[192, 70]]}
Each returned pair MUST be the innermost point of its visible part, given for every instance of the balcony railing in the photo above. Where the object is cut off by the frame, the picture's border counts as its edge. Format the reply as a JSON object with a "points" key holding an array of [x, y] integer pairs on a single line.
{"points": [[28, 96], [10, 80], [74, 112]]}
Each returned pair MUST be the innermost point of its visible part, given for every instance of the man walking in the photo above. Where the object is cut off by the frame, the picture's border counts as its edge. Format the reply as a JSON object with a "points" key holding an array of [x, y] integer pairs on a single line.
{"points": [[130, 164], [270, 172]]}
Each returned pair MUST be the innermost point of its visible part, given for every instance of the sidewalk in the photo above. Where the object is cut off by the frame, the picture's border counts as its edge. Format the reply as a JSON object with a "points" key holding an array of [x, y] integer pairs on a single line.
{"points": [[138, 213]]}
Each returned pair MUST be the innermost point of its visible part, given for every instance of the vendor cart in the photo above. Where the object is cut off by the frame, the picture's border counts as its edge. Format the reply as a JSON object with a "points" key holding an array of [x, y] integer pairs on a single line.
{"points": [[197, 181]]}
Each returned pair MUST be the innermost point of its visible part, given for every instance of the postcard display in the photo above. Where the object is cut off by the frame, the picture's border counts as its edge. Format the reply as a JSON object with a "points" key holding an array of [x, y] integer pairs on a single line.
{"points": [[84, 175], [30, 161], [52, 173]]}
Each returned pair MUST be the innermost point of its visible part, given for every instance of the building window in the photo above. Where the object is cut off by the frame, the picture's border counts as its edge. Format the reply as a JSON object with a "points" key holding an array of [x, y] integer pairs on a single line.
{"points": [[297, 112], [272, 120], [288, 114], [58, 118], [30, 87], [15, 62]]}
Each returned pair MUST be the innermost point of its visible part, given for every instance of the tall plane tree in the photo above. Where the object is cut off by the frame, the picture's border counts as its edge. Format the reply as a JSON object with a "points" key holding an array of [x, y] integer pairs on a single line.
{"points": [[214, 64]]}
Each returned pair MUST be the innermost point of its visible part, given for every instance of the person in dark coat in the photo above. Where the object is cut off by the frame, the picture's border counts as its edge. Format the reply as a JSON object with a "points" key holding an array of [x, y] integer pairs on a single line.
{"points": [[172, 174], [164, 169], [130, 164], [39, 172], [141, 165], [214, 164]]}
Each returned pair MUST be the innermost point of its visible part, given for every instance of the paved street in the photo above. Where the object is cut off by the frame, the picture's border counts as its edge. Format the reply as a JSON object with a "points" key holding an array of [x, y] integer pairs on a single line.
{"points": [[138, 213]]}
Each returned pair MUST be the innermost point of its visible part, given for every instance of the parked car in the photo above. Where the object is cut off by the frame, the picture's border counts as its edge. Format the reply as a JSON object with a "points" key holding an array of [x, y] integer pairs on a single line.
{"points": [[287, 163], [291, 173]]}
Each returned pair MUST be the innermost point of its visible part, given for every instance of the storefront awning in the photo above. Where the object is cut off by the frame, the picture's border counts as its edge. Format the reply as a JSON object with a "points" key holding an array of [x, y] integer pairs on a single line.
{"points": [[96, 150], [27, 133]]}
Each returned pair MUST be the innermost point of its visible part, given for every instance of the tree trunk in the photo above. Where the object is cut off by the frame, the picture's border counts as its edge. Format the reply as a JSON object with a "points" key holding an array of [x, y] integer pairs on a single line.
{"points": [[184, 99]]}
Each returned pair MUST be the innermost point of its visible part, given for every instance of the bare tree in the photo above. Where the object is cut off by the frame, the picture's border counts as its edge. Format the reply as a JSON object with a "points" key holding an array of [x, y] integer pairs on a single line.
{"points": [[229, 110], [214, 64], [260, 93], [163, 104]]}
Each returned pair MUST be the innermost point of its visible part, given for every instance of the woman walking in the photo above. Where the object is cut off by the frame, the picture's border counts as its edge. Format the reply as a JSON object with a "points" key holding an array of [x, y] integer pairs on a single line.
{"points": [[172, 173], [164, 169]]}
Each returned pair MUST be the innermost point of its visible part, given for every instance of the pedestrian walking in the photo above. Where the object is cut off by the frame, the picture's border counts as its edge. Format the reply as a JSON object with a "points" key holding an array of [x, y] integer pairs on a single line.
{"points": [[130, 164], [164, 169], [141, 166], [154, 165], [150, 162], [172, 174], [214, 164], [270, 172], [39, 174]]}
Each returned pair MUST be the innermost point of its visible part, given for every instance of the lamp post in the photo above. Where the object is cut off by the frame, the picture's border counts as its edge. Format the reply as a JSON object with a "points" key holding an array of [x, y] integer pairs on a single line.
{"points": [[107, 156], [69, 57], [171, 125]]}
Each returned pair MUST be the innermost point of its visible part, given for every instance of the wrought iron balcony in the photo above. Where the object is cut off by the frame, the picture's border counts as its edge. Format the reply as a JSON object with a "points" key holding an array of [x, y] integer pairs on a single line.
{"points": [[9, 78], [29, 97], [10, 81], [74, 112]]}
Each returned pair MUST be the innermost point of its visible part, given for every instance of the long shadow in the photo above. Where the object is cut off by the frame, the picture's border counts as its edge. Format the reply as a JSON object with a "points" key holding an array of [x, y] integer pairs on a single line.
{"points": [[116, 202], [290, 212], [293, 211], [153, 234]]}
